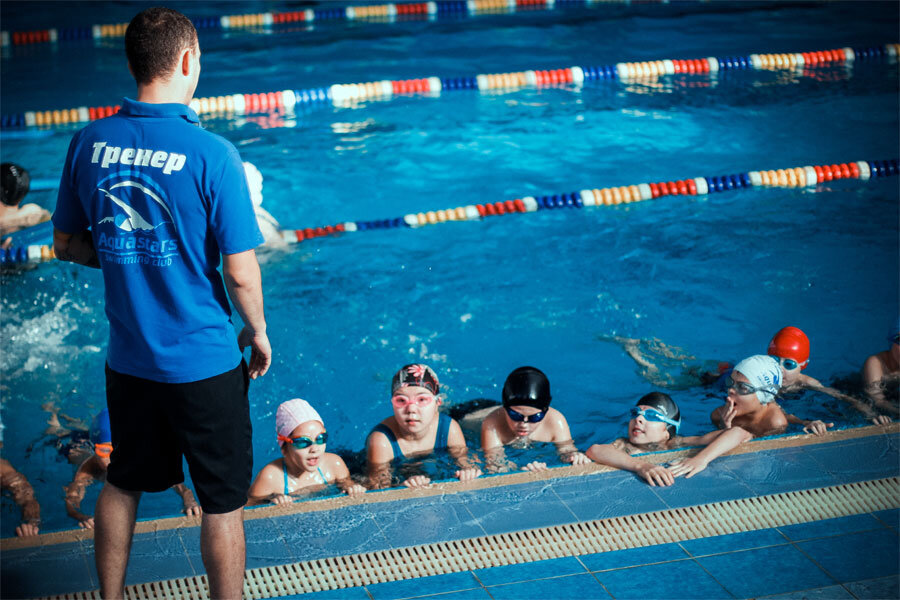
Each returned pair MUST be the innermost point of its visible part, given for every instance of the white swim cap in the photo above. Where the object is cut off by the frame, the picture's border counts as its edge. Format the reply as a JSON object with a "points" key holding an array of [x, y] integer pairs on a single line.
{"points": [[292, 414], [764, 373], [254, 182]]}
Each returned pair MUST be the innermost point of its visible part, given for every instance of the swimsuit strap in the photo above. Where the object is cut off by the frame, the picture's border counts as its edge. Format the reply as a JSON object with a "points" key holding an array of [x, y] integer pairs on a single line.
{"points": [[382, 428], [287, 489], [443, 432], [322, 475]]}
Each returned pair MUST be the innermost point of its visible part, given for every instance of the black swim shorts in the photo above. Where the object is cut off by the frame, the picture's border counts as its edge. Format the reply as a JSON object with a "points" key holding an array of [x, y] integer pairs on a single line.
{"points": [[208, 422]]}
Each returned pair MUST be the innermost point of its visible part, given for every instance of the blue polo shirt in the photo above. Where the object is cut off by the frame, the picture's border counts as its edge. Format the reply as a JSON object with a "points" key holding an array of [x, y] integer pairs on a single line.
{"points": [[163, 199]]}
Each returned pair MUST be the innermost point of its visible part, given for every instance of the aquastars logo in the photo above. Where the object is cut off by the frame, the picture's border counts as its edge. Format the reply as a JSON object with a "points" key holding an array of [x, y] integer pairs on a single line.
{"points": [[136, 225]]}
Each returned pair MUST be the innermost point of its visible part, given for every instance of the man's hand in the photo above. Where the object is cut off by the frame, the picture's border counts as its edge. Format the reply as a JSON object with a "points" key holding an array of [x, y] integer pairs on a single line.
{"points": [[260, 351]]}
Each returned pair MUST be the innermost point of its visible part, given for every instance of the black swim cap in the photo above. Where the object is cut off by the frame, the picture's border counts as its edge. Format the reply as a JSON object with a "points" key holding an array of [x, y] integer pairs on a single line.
{"points": [[664, 404], [527, 386], [15, 182]]}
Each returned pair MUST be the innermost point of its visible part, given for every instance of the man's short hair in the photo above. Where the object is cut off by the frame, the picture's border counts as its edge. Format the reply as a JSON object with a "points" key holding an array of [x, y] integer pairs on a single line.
{"points": [[154, 40], [15, 183]]}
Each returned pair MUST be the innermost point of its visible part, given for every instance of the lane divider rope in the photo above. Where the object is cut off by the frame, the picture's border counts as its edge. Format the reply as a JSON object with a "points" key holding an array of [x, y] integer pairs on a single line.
{"points": [[347, 94], [698, 186], [391, 12]]}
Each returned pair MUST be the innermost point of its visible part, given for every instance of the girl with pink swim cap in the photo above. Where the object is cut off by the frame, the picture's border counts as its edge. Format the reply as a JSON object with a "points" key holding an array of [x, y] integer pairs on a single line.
{"points": [[304, 462]]}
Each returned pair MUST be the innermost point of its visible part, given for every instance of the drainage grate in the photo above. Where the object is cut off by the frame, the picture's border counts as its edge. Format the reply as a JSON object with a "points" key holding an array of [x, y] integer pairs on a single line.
{"points": [[604, 535]]}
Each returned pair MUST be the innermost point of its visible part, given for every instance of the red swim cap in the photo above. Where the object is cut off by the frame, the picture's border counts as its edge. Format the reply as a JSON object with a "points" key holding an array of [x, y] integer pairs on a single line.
{"points": [[790, 342]]}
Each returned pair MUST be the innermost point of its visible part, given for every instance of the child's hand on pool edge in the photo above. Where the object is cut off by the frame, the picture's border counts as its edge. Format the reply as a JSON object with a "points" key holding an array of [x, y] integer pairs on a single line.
{"points": [[468, 474], [417, 481], [535, 466], [689, 467], [816, 427], [355, 489], [577, 458], [656, 474]]}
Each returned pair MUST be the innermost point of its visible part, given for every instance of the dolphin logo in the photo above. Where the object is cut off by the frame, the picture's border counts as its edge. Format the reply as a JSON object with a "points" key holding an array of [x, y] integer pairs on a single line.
{"points": [[134, 220]]}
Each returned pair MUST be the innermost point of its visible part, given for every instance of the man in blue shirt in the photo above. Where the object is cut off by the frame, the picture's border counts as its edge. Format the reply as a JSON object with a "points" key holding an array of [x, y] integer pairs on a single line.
{"points": [[154, 201]]}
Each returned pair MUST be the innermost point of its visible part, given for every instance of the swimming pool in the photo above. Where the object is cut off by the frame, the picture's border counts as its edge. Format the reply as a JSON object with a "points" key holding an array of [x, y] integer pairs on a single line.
{"points": [[714, 275]]}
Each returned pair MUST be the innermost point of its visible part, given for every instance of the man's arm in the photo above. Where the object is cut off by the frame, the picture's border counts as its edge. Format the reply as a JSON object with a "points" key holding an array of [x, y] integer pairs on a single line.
{"points": [[244, 284], [75, 247]]}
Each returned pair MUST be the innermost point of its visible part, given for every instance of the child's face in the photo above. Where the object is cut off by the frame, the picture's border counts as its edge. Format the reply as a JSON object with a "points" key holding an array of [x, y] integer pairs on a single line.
{"points": [[642, 431], [415, 408], [743, 403], [520, 419], [304, 459], [789, 376]]}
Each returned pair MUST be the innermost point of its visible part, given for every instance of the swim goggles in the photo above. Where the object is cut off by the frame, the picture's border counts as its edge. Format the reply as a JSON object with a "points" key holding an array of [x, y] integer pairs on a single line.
{"points": [[895, 339], [303, 441], [744, 389], [651, 414], [103, 450], [421, 400], [789, 364], [519, 417]]}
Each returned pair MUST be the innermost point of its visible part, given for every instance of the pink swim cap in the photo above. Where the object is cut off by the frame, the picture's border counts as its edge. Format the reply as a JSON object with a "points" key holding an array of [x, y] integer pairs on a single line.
{"points": [[292, 414]]}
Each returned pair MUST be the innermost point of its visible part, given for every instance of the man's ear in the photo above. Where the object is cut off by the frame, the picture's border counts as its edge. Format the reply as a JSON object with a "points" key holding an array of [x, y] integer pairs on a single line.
{"points": [[130, 70], [185, 62]]}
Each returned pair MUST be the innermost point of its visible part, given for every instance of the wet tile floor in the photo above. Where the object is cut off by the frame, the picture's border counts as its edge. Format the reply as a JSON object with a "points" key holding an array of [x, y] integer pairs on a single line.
{"points": [[849, 557]]}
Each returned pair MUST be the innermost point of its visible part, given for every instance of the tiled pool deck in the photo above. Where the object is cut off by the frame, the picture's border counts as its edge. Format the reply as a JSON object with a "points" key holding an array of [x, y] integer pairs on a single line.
{"points": [[848, 557]]}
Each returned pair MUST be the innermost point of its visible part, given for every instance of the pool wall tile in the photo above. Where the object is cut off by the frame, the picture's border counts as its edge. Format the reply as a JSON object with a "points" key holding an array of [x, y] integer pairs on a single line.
{"points": [[714, 484], [774, 570], [618, 495], [48, 570], [889, 517], [526, 571], [734, 542], [159, 555], [583, 587], [514, 508], [856, 556], [876, 589], [476, 594], [425, 520], [410, 588], [603, 561], [773, 472], [348, 530], [859, 460], [831, 527], [672, 580], [832, 592]]}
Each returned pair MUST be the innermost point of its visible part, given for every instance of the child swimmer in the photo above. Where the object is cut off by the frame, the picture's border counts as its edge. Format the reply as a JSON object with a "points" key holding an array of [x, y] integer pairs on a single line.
{"points": [[304, 463], [526, 416], [654, 425], [752, 387], [416, 428]]}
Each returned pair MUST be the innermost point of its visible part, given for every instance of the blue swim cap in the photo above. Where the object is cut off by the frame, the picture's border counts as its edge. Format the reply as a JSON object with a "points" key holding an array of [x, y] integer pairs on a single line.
{"points": [[100, 432]]}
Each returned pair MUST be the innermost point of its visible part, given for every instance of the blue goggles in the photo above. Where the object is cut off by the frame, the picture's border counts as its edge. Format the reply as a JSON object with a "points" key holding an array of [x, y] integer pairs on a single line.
{"points": [[304, 442], [651, 414], [789, 364], [517, 416]]}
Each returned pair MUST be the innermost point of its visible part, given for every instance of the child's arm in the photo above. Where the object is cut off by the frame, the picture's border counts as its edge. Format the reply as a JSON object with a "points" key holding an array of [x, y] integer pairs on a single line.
{"points": [[568, 453], [697, 440], [610, 455], [342, 478], [268, 487], [75, 494], [191, 508], [378, 461], [23, 495], [815, 427], [857, 404], [727, 440], [456, 447]]}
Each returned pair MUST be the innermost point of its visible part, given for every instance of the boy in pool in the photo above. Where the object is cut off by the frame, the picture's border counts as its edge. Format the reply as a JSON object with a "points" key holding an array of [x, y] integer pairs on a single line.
{"points": [[526, 416], [881, 373], [752, 387], [416, 428], [304, 463], [94, 469], [790, 347], [654, 425]]}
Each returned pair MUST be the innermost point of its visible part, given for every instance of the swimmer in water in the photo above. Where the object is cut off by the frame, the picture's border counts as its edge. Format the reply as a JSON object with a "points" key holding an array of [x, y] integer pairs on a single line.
{"points": [[94, 469], [881, 373], [654, 425], [304, 464], [790, 347], [15, 183], [417, 428], [268, 225], [524, 417], [752, 387]]}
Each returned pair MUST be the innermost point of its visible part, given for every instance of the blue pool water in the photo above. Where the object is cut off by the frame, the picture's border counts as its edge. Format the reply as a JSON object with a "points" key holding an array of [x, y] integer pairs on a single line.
{"points": [[715, 276]]}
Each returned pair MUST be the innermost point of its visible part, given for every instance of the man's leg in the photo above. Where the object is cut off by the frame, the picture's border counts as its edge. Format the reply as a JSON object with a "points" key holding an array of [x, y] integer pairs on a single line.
{"points": [[223, 551], [113, 527]]}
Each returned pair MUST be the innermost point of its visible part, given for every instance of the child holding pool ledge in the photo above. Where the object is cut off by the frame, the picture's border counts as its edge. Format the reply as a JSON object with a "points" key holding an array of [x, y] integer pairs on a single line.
{"points": [[526, 417], [654, 425], [417, 428], [304, 463]]}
